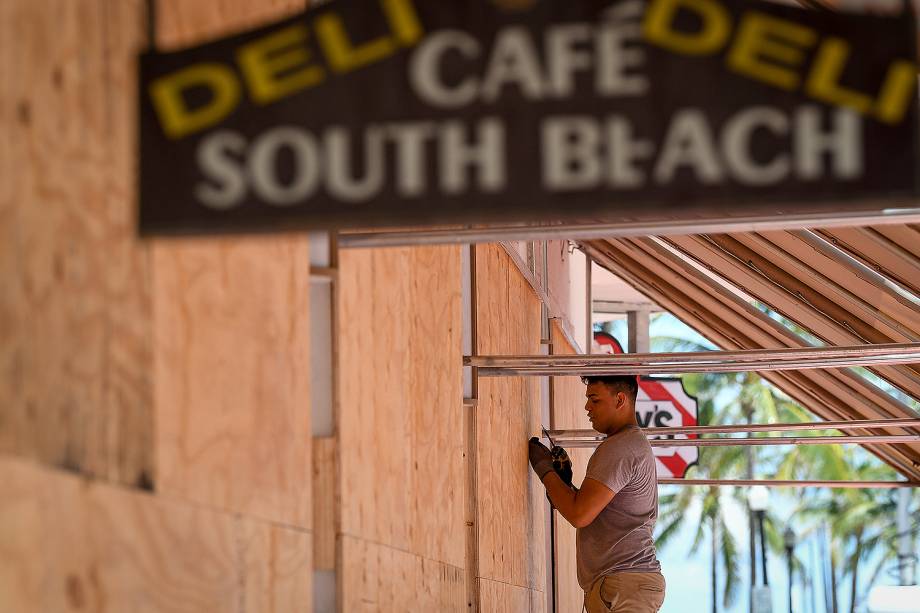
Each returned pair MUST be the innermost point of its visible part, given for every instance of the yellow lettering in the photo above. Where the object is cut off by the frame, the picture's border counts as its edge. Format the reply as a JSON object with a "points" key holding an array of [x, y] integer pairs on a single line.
{"points": [[823, 80], [340, 53], [403, 20], [175, 116], [267, 64], [898, 92], [659, 22], [761, 38]]}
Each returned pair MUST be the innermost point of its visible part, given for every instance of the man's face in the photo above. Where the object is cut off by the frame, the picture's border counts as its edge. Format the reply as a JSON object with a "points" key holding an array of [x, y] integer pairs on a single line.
{"points": [[604, 407]]}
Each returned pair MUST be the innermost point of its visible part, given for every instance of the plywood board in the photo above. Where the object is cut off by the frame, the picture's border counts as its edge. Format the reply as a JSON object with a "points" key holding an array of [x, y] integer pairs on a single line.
{"points": [[232, 384], [76, 357], [70, 545], [185, 22], [326, 502], [511, 501], [381, 579], [500, 597], [400, 416], [568, 413]]}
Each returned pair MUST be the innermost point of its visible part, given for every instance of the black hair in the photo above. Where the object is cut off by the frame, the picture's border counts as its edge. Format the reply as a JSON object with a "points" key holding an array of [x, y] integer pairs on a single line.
{"points": [[628, 384]]}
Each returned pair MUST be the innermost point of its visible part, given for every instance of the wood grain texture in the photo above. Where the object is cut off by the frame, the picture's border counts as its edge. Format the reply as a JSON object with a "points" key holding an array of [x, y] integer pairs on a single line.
{"points": [[400, 416], [381, 579], [511, 501], [568, 413], [67, 544], [185, 22], [74, 317], [500, 597], [232, 397], [232, 382], [326, 502]]}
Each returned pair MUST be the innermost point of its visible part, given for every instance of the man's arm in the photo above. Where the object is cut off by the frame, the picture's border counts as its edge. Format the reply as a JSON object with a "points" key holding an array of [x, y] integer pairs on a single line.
{"points": [[578, 507]]}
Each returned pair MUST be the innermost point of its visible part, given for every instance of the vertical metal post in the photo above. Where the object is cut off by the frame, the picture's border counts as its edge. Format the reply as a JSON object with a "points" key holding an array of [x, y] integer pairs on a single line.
{"points": [[589, 307], [323, 262], [638, 322], [548, 417], [468, 293], [907, 560], [752, 544], [763, 548]]}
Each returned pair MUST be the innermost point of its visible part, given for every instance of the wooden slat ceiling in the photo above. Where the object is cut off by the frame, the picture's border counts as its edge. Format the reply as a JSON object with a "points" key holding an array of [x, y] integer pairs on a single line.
{"points": [[843, 286]]}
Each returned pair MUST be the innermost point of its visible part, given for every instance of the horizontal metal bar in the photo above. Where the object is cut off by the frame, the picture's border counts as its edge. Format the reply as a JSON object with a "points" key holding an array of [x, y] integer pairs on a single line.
{"points": [[622, 306], [797, 358], [756, 442], [791, 483], [855, 424], [668, 227]]}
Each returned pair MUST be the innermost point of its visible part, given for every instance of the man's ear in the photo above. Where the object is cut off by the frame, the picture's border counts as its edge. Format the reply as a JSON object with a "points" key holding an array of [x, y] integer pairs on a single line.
{"points": [[621, 400]]}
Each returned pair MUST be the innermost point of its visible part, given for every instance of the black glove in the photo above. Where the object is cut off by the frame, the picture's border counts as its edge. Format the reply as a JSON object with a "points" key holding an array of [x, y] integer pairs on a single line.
{"points": [[541, 460]]}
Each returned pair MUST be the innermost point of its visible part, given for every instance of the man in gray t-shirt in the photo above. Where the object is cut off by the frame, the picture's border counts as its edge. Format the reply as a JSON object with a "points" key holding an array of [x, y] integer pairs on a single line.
{"points": [[615, 510]]}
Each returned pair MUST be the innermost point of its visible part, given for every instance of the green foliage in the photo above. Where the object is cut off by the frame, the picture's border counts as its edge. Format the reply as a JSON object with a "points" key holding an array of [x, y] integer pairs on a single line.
{"points": [[861, 522]]}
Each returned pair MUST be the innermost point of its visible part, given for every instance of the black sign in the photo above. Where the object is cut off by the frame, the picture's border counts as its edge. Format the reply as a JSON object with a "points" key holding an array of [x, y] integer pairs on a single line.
{"points": [[412, 112]]}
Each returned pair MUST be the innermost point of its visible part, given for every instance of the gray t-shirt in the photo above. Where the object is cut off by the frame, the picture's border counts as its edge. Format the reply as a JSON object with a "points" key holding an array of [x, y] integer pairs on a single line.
{"points": [[620, 537]]}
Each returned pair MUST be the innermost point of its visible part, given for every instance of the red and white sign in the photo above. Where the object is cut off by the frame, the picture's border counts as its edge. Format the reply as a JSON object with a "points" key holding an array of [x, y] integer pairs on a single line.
{"points": [[661, 403]]}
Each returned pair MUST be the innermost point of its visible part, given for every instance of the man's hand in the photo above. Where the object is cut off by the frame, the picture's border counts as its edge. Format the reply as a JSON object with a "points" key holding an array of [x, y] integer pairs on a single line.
{"points": [[541, 460]]}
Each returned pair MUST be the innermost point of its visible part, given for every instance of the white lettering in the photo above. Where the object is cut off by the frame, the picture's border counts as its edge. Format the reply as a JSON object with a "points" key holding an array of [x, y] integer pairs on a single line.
{"points": [[425, 64], [513, 62], [689, 143], [563, 58], [571, 158], [843, 143], [227, 187], [487, 156], [736, 146], [263, 159]]}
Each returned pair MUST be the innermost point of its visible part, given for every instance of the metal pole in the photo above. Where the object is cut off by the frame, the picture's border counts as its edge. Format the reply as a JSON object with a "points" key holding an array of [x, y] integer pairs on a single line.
{"points": [[759, 442], [792, 483], [855, 424], [705, 362], [789, 566], [669, 227], [638, 323], [589, 307], [863, 271], [763, 548], [749, 470]]}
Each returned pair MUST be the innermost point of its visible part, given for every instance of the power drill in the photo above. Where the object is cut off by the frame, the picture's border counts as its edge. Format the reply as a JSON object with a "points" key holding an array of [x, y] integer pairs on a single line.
{"points": [[561, 462]]}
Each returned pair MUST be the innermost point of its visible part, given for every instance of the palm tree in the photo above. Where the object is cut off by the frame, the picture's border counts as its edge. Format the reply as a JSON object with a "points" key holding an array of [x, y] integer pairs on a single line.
{"points": [[859, 521], [707, 508], [740, 396]]}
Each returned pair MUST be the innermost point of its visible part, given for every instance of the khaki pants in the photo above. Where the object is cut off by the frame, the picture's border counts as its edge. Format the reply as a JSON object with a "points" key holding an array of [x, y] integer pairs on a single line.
{"points": [[626, 593]]}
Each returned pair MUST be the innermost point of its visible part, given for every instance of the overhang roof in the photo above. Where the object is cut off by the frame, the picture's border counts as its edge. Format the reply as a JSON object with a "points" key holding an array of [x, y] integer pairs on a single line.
{"points": [[842, 286]]}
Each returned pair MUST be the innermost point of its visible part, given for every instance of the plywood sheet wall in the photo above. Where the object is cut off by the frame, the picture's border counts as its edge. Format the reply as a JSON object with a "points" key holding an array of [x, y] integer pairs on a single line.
{"points": [[511, 502], [75, 359], [232, 375], [72, 545], [568, 413], [232, 363], [179, 367], [400, 426]]}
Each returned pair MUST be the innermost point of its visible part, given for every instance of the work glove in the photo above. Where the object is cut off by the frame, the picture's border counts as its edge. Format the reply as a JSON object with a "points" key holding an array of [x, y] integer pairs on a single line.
{"points": [[541, 460], [544, 460]]}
